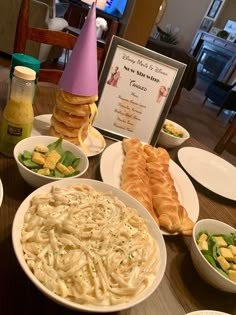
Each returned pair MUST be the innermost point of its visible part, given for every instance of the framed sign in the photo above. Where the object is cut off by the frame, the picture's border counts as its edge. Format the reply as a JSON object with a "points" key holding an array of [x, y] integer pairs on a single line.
{"points": [[136, 89]]}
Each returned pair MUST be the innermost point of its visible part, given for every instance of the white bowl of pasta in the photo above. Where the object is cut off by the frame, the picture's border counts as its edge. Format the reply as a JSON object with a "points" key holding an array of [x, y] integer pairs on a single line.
{"points": [[88, 245]]}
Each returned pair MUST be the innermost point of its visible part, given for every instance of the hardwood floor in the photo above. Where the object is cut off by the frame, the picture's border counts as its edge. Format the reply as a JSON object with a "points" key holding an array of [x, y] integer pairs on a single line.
{"points": [[201, 122]]}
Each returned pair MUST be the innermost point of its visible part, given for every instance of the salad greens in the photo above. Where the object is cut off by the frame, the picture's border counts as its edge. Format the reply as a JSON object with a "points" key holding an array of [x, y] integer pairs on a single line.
{"points": [[220, 251], [64, 166]]}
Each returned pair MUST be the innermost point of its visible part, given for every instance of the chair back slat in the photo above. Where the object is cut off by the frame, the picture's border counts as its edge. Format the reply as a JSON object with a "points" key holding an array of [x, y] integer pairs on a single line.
{"points": [[56, 38], [226, 143], [25, 32]]}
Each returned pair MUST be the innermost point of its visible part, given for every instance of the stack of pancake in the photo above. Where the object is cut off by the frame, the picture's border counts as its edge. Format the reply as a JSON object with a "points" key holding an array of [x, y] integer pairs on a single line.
{"points": [[72, 116]]}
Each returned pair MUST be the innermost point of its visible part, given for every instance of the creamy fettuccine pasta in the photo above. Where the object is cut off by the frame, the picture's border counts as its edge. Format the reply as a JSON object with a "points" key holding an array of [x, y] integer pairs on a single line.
{"points": [[87, 246]]}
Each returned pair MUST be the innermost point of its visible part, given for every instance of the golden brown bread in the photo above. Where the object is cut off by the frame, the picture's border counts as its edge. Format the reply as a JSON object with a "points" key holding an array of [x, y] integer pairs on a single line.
{"points": [[77, 110], [74, 140], [71, 121], [62, 129], [171, 214], [78, 99], [134, 177]]}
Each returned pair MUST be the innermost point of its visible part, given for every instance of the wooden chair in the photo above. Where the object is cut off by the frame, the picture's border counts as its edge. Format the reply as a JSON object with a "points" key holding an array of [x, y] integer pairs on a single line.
{"points": [[25, 32], [226, 142]]}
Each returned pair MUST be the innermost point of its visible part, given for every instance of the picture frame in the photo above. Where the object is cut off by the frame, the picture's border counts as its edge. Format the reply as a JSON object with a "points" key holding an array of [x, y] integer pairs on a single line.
{"points": [[206, 24], [214, 8], [136, 89]]}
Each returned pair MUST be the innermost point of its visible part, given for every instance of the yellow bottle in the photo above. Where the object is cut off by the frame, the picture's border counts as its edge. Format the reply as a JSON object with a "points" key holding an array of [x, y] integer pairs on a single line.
{"points": [[18, 114]]}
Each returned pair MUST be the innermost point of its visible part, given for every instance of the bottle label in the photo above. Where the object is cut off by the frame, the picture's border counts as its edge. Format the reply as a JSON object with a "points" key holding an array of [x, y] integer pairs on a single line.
{"points": [[14, 131], [11, 134]]}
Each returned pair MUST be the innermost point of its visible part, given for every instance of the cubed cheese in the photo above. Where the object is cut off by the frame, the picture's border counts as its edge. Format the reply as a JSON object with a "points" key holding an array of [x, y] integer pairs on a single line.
{"points": [[51, 160], [63, 169], [41, 148], [203, 245], [226, 253], [44, 171], [232, 275], [233, 249], [71, 169], [221, 241], [203, 237], [223, 263], [38, 158], [233, 267]]}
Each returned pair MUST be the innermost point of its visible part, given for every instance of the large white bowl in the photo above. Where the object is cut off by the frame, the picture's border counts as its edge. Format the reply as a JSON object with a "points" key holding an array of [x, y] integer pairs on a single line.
{"points": [[129, 201], [37, 180], [168, 141], [203, 267], [207, 312]]}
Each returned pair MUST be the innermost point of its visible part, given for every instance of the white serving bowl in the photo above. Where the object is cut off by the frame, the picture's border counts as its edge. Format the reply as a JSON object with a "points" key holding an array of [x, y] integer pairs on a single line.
{"points": [[37, 180], [168, 141], [207, 312], [129, 201], [203, 267]]}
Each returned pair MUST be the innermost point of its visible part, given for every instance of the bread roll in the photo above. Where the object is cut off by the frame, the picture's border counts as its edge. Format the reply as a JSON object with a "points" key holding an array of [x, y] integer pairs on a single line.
{"points": [[78, 99], [74, 140], [134, 177], [71, 121], [63, 130], [72, 109], [172, 215]]}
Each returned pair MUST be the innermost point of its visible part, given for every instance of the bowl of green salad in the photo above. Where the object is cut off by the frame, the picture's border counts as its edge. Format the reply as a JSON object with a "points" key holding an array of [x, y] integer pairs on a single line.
{"points": [[44, 159], [172, 135], [213, 253]]}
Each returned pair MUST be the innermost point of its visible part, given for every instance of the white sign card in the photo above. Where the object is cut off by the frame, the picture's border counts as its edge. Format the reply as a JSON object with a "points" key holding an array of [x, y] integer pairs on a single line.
{"points": [[136, 88]]}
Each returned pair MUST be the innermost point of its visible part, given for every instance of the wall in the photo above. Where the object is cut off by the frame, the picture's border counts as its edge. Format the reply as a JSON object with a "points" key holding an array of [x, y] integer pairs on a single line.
{"points": [[186, 15], [141, 21], [227, 13]]}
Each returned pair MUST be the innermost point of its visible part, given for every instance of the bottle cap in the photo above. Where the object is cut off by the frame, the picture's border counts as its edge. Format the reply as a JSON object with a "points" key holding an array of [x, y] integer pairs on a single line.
{"points": [[24, 60], [24, 73]]}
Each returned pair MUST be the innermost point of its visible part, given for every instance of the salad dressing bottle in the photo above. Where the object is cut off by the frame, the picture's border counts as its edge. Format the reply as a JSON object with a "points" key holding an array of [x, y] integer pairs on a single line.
{"points": [[18, 114]]}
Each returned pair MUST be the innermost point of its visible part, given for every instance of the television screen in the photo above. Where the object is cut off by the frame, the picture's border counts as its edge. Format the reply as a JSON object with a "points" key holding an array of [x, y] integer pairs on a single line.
{"points": [[112, 7]]}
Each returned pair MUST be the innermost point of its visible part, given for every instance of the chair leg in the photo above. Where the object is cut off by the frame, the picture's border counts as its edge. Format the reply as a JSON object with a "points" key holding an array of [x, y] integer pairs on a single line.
{"points": [[219, 112], [226, 138], [204, 101]]}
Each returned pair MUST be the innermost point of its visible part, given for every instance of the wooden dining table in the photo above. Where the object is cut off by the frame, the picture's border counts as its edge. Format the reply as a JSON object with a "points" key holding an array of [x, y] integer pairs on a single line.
{"points": [[181, 290]]}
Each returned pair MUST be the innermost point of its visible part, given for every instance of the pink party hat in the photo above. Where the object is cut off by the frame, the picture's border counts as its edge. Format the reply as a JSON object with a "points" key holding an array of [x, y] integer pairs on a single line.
{"points": [[80, 74]]}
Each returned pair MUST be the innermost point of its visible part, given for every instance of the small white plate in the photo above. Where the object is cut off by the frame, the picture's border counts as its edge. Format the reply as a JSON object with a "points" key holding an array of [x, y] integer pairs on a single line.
{"points": [[209, 170], [111, 166], [41, 127], [1, 192], [207, 312]]}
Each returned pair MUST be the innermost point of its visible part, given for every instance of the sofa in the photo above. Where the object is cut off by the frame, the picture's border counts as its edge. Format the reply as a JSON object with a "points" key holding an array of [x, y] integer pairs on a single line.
{"points": [[43, 15]]}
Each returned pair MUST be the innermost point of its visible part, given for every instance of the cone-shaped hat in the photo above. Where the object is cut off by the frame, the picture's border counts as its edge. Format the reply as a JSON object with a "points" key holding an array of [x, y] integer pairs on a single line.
{"points": [[80, 74]]}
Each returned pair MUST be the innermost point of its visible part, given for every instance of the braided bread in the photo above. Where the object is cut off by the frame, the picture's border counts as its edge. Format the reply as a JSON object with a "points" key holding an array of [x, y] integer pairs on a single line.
{"points": [[134, 177], [171, 214]]}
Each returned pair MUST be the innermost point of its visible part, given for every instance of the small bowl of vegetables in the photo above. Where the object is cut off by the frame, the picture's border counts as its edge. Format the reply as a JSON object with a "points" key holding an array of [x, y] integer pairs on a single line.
{"points": [[44, 159], [213, 253], [172, 135]]}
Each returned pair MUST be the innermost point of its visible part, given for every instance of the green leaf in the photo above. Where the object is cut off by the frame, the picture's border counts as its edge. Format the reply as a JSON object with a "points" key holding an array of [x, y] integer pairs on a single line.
{"points": [[57, 145], [211, 260], [58, 174], [67, 158], [27, 155], [20, 158], [73, 174], [75, 163], [30, 164]]}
